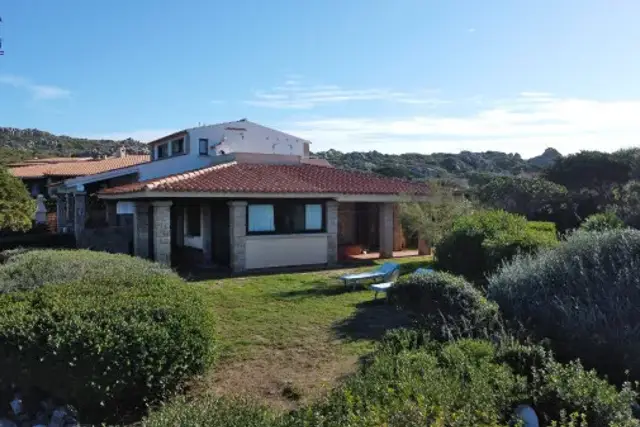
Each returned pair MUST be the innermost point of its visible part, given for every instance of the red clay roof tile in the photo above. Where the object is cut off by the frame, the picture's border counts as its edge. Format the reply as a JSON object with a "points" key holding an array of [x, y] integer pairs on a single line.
{"points": [[78, 168], [271, 178]]}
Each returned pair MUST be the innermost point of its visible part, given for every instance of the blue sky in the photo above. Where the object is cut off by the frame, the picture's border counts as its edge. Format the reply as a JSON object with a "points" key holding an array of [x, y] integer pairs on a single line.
{"points": [[387, 75]]}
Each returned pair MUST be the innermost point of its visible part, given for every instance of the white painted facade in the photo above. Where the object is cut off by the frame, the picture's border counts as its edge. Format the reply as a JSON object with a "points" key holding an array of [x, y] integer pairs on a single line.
{"points": [[271, 251]]}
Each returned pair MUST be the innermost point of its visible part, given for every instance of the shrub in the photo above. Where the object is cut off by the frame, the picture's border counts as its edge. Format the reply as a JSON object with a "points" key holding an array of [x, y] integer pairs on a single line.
{"points": [[445, 304], [583, 296], [557, 388], [422, 387], [106, 333], [602, 222], [479, 243], [211, 411]]}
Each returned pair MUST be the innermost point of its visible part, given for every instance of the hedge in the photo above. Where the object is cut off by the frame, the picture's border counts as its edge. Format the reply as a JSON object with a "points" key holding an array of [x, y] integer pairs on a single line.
{"points": [[480, 242], [447, 305], [106, 333], [583, 296]]}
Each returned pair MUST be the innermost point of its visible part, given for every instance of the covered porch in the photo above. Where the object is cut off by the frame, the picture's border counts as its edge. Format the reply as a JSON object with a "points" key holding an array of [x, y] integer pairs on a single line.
{"points": [[254, 234]]}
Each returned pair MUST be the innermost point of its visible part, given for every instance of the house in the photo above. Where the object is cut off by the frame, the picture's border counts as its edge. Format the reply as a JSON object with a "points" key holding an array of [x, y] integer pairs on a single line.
{"points": [[242, 196], [42, 176]]}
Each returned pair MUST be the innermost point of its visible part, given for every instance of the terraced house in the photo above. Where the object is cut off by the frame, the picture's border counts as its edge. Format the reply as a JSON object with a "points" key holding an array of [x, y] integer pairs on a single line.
{"points": [[237, 195]]}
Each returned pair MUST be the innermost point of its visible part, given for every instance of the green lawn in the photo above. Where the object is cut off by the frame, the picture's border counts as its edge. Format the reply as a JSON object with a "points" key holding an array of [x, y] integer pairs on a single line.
{"points": [[286, 338]]}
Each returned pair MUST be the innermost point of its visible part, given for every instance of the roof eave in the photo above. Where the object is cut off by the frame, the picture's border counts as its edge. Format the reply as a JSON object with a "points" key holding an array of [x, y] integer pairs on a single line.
{"points": [[340, 197]]}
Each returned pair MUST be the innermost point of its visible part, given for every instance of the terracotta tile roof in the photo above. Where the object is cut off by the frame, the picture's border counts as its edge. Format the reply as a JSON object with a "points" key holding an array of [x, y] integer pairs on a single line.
{"points": [[273, 178], [78, 168]]}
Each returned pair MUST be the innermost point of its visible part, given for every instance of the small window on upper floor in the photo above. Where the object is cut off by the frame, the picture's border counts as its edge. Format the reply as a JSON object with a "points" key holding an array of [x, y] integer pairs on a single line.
{"points": [[177, 146], [204, 147], [163, 151]]}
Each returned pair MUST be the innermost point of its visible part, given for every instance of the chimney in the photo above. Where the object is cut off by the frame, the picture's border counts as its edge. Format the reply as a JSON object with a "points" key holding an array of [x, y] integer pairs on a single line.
{"points": [[122, 151]]}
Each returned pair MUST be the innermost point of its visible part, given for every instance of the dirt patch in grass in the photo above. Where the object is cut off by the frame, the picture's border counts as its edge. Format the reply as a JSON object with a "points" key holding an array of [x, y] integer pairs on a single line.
{"points": [[283, 379]]}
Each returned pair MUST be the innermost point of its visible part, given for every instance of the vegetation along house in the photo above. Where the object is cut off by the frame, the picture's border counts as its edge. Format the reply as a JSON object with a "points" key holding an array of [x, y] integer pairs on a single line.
{"points": [[237, 195]]}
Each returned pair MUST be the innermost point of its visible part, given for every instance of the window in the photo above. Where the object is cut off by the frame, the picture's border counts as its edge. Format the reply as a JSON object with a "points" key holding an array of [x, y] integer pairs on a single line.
{"points": [[177, 146], [261, 219], [204, 146], [163, 151], [287, 217], [313, 217], [193, 220]]}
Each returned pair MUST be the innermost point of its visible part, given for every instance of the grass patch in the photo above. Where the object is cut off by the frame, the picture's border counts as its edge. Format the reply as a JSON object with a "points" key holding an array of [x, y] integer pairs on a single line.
{"points": [[299, 331]]}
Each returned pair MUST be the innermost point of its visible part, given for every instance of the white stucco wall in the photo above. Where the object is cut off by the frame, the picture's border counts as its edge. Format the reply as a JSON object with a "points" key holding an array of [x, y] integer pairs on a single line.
{"points": [[285, 250], [246, 137]]}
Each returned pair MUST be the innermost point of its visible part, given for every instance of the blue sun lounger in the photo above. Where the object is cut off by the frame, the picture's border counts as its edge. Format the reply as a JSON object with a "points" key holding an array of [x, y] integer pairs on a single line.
{"points": [[384, 287], [389, 271]]}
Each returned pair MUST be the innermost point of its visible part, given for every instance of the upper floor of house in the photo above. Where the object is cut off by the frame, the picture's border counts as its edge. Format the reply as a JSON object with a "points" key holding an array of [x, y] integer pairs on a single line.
{"points": [[241, 136], [192, 149]]}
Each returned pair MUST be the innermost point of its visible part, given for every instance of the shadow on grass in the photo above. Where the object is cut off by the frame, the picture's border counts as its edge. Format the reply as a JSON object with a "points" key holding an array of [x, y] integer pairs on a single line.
{"points": [[371, 320], [319, 288]]}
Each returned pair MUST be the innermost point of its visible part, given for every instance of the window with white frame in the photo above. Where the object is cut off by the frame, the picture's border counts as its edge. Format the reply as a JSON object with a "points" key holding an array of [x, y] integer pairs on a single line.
{"points": [[204, 146]]}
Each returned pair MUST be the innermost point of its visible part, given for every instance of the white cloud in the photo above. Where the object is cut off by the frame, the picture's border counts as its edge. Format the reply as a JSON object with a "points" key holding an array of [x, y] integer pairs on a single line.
{"points": [[294, 95], [37, 91], [527, 124]]}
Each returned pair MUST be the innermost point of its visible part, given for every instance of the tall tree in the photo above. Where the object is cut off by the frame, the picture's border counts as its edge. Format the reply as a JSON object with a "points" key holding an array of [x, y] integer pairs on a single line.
{"points": [[17, 208], [431, 220], [589, 169]]}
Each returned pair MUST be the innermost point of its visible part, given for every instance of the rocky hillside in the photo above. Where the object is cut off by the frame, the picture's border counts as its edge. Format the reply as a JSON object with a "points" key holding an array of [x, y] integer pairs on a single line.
{"points": [[19, 144], [439, 165]]}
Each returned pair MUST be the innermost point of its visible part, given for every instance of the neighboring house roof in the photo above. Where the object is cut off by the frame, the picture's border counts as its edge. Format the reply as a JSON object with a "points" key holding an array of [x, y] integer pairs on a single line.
{"points": [[78, 168], [32, 162], [276, 179]]}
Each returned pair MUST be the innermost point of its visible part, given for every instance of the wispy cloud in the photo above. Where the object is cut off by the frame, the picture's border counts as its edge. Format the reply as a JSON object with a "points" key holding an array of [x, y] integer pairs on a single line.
{"points": [[526, 124], [294, 95], [37, 91], [471, 30]]}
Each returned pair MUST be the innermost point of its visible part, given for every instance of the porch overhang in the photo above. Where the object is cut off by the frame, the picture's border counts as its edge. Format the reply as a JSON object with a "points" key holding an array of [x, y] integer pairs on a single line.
{"points": [[371, 198]]}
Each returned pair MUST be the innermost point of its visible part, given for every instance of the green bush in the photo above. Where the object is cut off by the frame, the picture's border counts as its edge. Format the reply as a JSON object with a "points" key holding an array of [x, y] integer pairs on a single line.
{"points": [[583, 296], [448, 306], [211, 411], [412, 381], [106, 333], [602, 222], [479, 243]]}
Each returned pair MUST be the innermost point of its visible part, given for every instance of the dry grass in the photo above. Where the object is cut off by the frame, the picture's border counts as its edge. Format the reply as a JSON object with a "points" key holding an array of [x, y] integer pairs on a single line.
{"points": [[287, 338]]}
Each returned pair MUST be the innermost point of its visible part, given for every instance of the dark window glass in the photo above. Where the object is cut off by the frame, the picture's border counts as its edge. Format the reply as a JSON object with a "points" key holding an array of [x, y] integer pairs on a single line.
{"points": [[193, 221], [287, 217], [177, 146], [163, 151], [204, 146]]}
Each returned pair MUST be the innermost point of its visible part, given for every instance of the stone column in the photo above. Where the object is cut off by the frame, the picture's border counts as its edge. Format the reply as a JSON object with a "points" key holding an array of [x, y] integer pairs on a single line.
{"points": [[70, 212], [60, 212], [141, 230], [386, 230], [332, 232], [207, 233], [80, 207], [111, 207], [238, 235], [162, 231]]}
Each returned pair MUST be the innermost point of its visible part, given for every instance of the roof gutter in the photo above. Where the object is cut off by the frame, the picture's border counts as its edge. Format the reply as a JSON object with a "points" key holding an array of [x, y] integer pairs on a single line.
{"points": [[371, 198]]}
